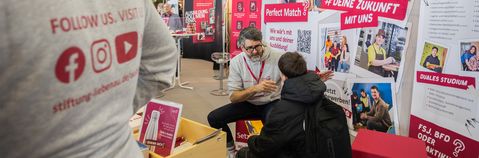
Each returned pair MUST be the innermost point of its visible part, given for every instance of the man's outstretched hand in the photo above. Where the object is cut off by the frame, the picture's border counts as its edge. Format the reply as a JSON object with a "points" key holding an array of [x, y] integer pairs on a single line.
{"points": [[325, 75]]}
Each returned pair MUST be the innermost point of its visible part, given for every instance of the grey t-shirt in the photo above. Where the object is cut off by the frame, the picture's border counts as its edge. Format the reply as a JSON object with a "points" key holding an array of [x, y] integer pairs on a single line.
{"points": [[70, 72], [240, 77]]}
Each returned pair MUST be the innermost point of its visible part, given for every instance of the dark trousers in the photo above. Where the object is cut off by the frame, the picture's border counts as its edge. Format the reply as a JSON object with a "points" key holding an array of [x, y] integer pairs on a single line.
{"points": [[219, 118], [335, 63], [378, 126]]}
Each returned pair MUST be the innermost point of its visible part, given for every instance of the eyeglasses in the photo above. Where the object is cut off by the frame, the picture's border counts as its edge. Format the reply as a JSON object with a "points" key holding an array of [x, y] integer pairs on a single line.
{"points": [[258, 47]]}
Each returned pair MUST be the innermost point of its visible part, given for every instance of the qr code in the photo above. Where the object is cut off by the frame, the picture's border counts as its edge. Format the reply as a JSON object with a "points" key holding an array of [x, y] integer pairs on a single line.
{"points": [[304, 41], [189, 17]]}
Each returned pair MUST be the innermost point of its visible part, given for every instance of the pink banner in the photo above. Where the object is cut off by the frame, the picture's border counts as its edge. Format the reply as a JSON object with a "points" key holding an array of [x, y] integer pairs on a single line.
{"points": [[204, 15], [159, 126], [245, 13], [441, 142], [368, 9], [289, 12], [455, 81], [351, 20]]}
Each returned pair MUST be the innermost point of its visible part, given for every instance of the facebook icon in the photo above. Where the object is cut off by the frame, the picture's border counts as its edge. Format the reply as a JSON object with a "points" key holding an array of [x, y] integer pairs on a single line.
{"points": [[70, 65]]}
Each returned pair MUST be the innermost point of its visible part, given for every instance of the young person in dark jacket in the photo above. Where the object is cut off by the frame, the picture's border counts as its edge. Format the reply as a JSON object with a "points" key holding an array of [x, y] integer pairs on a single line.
{"points": [[284, 134]]}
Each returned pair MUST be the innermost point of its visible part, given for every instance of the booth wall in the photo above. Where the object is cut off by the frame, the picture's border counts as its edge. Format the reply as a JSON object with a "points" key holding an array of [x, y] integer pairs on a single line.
{"points": [[204, 50], [404, 96]]}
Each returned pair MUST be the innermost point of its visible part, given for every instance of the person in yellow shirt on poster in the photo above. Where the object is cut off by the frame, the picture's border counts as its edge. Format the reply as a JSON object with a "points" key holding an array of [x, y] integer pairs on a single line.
{"points": [[365, 99], [327, 59], [328, 43], [377, 55]]}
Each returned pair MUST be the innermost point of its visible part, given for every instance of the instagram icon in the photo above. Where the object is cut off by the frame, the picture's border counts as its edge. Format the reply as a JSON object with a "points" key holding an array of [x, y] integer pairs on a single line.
{"points": [[100, 55]]}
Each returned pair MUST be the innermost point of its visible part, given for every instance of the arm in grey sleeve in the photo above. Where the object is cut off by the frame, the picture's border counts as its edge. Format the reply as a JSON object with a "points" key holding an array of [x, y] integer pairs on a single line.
{"points": [[158, 58], [235, 82], [4, 55]]}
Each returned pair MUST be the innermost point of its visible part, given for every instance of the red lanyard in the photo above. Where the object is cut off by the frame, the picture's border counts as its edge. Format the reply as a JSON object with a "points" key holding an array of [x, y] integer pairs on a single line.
{"points": [[251, 72]]}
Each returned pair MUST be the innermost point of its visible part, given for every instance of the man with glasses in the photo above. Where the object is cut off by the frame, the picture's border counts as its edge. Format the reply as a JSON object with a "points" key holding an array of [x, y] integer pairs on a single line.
{"points": [[254, 83]]}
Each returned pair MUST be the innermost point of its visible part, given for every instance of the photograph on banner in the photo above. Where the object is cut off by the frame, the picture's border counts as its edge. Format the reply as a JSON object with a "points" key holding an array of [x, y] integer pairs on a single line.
{"points": [[316, 5], [337, 91], [469, 56], [433, 57], [373, 104], [335, 48], [381, 51]]}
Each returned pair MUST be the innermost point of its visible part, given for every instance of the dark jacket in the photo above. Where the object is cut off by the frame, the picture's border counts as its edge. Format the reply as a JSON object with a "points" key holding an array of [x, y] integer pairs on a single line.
{"points": [[283, 134]]}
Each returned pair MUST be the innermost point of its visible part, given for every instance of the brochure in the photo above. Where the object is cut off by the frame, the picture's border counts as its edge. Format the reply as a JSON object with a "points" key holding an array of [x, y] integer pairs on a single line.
{"points": [[160, 125]]}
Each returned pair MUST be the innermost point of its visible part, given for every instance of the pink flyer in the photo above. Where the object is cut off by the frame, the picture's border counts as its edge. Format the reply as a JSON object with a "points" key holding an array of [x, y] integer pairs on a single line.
{"points": [[160, 125]]}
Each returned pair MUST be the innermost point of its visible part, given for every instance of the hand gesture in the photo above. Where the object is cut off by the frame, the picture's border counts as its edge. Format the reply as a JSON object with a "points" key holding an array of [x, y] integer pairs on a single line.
{"points": [[325, 75], [266, 86]]}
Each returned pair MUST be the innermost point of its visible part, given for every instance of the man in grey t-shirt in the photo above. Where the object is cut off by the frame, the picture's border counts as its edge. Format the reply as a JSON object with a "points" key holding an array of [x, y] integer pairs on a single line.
{"points": [[73, 72], [254, 83]]}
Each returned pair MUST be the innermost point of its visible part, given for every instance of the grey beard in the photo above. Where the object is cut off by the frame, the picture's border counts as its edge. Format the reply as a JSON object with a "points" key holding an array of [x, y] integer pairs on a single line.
{"points": [[255, 59]]}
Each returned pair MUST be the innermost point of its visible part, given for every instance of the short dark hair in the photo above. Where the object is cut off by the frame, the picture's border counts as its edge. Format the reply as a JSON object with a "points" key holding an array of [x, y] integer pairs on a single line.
{"points": [[292, 64], [437, 49], [362, 90], [250, 33], [376, 88]]}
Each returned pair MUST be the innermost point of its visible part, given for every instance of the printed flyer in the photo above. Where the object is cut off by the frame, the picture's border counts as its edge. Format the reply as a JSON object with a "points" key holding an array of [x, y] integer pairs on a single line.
{"points": [[445, 99], [159, 126], [245, 13]]}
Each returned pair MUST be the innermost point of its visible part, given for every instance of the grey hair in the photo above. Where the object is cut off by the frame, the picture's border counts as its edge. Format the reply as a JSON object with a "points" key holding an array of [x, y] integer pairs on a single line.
{"points": [[249, 33], [167, 3]]}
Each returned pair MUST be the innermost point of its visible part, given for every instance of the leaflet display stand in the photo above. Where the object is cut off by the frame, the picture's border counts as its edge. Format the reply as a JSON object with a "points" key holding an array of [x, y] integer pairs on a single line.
{"points": [[177, 77]]}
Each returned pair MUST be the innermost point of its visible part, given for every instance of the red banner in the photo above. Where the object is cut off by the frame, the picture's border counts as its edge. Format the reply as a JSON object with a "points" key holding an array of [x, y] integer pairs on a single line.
{"points": [[289, 12], [204, 15], [441, 142], [368, 9], [351, 20], [455, 81], [245, 13]]}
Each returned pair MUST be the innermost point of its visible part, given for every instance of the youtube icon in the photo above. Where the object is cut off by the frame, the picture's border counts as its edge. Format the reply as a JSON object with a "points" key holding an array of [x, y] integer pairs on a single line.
{"points": [[126, 46]]}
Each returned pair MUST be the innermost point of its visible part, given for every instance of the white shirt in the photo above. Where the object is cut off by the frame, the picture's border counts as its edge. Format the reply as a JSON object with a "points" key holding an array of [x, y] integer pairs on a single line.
{"points": [[240, 77]]}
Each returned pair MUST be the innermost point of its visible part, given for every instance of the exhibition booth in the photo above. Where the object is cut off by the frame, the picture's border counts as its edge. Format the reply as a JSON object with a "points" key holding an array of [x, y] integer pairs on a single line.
{"points": [[399, 78], [411, 54]]}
